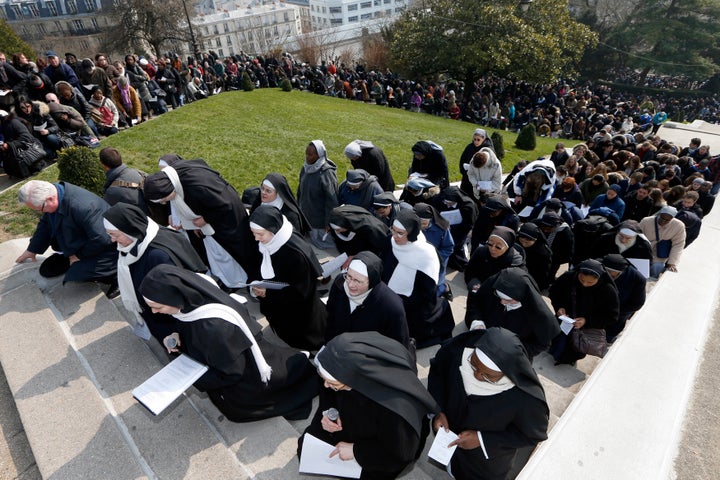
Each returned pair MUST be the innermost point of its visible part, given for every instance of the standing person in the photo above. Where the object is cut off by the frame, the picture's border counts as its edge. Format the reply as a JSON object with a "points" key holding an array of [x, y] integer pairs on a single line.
{"points": [[483, 371], [317, 192], [143, 245], [248, 379], [59, 71], [429, 162], [200, 199], [71, 223], [372, 381], [366, 156], [275, 191], [480, 140], [294, 312], [411, 268], [360, 301]]}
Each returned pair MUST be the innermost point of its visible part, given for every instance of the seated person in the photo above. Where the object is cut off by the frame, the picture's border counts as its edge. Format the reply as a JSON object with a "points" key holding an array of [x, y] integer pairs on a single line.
{"points": [[495, 212], [630, 284], [437, 232], [37, 115], [411, 269], [105, 112], [462, 213], [538, 255], [625, 239], [498, 253], [360, 301], [429, 162], [483, 371], [71, 222], [386, 207], [68, 119], [356, 229], [510, 299], [359, 188], [371, 381], [248, 378]]}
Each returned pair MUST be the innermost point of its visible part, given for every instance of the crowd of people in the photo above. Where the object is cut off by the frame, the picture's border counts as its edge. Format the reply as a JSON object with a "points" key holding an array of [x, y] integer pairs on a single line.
{"points": [[585, 227]]}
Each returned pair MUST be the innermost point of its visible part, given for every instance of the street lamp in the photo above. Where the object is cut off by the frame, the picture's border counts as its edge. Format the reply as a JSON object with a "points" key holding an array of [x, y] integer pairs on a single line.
{"points": [[196, 49], [525, 4]]}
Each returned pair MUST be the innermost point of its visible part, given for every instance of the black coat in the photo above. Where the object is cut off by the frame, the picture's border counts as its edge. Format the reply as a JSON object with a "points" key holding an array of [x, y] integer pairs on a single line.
{"points": [[373, 161]]}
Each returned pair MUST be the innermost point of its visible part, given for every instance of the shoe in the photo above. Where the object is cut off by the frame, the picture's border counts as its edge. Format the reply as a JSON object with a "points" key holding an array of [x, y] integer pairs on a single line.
{"points": [[113, 291], [448, 294]]}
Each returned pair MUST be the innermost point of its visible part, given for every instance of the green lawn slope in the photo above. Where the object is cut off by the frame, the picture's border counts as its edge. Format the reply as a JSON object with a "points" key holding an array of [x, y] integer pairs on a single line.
{"points": [[245, 135]]}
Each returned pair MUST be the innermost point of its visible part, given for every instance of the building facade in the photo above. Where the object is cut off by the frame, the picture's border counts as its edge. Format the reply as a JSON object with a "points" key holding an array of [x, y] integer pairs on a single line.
{"points": [[336, 13]]}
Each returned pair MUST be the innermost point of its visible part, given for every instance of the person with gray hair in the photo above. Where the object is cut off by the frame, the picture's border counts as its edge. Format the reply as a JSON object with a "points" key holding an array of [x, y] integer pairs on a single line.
{"points": [[72, 224]]}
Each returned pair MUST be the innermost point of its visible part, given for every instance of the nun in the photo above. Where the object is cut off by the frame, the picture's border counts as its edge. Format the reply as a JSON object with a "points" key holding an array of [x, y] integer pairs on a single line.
{"points": [[275, 191], [143, 245], [498, 252], [386, 207], [356, 229], [359, 188], [248, 379], [411, 268], [295, 311], [370, 380], [587, 295], [437, 233], [360, 301], [538, 256], [483, 371], [511, 299]]}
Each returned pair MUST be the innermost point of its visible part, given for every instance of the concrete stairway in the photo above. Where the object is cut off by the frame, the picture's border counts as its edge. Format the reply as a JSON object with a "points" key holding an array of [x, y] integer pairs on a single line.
{"points": [[72, 361]]}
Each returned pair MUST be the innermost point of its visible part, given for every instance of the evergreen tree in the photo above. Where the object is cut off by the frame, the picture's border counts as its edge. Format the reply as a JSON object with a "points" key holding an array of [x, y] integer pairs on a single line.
{"points": [[526, 138], [11, 43]]}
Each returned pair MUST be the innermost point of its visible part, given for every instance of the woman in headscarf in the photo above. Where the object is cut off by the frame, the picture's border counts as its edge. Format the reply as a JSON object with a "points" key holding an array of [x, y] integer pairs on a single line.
{"points": [[317, 192], [589, 296], [538, 255], [359, 188], [411, 268], [462, 212], [356, 229], [495, 212], [510, 299], [294, 312], [143, 245], [371, 381], [275, 191], [484, 371], [429, 162], [360, 301], [480, 140], [437, 233], [249, 379], [500, 251]]}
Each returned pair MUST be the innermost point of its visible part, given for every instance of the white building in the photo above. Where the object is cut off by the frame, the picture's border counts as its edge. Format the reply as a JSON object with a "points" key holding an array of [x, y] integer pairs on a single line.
{"points": [[336, 13], [250, 27]]}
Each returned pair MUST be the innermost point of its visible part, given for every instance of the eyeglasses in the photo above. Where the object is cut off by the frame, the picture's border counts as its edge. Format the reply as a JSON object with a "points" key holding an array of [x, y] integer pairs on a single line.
{"points": [[354, 280], [398, 233], [42, 209], [483, 376]]}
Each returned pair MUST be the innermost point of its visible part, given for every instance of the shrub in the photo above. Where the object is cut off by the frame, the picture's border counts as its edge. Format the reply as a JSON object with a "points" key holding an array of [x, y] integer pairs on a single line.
{"points": [[247, 84], [497, 140], [81, 166], [526, 138], [286, 85]]}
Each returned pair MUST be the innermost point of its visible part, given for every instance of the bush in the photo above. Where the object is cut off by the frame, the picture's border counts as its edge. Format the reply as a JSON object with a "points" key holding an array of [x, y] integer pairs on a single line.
{"points": [[247, 84], [497, 140], [81, 166], [286, 85], [526, 138]]}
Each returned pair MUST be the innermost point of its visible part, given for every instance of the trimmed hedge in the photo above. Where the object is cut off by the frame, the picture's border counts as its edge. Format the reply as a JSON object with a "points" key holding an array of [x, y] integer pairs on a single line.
{"points": [[81, 166]]}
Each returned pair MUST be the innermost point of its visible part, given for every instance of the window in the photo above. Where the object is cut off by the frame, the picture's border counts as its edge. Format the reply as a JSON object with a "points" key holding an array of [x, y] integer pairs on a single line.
{"points": [[78, 25], [89, 6], [51, 8], [354, 18], [34, 12], [276, 32], [3, 14], [228, 40], [336, 21], [72, 7], [388, 12], [250, 36], [366, 5], [41, 28], [85, 45], [58, 27], [386, 2], [365, 16], [220, 52], [324, 10], [231, 52], [94, 23], [226, 29], [17, 11], [218, 42], [286, 17], [215, 30], [335, 9], [352, 7], [377, 3]]}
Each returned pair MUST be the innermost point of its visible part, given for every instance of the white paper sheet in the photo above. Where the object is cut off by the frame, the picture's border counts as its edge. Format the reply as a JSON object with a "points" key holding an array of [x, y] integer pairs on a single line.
{"points": [[333, 265], [642, 264], [567, 324], [316, 459], [439, 450], [525, 212], [454, 217], [267, 284], [160, 390], [486, 185]]}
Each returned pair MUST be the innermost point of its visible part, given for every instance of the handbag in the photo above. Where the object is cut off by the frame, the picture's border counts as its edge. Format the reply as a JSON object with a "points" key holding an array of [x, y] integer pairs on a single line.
{"points": [[663, 247], [27, 158], [591, 341]]}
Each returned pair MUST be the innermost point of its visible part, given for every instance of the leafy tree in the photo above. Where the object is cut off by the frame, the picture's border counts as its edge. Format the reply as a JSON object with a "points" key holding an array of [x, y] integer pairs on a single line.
{"points": [[138, 24], [11, 43], [469, 38], [667, 36]]}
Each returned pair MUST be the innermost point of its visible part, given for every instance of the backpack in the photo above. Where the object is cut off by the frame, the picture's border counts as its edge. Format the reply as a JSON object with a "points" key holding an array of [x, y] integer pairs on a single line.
{"points": [[586, 232]]}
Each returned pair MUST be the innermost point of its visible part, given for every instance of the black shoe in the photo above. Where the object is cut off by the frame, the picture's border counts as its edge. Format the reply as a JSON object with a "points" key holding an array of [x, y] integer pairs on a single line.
{"points": [[448, 294], [113, 291]]}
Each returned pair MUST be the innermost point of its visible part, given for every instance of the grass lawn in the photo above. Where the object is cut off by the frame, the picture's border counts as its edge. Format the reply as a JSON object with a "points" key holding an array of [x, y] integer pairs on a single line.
{"points": [[246, 135]]}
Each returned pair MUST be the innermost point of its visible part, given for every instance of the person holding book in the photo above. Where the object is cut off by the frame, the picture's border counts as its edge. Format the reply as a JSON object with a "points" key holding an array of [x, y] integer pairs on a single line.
{"points": [[248, 378], [294, 312]]}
